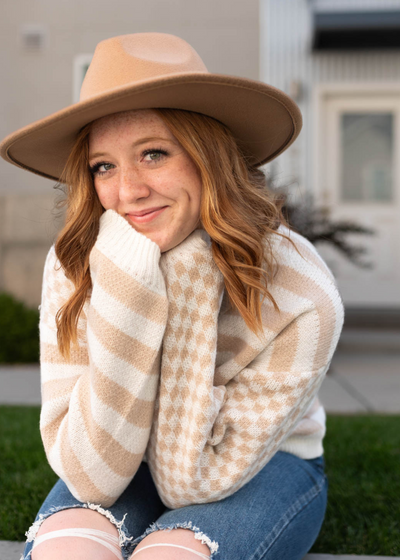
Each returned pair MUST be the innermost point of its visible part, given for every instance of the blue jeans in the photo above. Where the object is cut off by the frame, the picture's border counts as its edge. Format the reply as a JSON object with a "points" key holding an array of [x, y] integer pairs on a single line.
{"points": [[275, 516]]}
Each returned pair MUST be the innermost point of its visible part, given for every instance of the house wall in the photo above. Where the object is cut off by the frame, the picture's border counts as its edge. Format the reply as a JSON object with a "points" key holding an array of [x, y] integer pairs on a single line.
{"points": [[287, 62], [28, 227], [39, 81]]}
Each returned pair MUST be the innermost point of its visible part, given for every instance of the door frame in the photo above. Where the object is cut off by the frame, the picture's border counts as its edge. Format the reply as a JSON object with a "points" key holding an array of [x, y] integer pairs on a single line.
{"points": [[321, 181], [362, 104]]}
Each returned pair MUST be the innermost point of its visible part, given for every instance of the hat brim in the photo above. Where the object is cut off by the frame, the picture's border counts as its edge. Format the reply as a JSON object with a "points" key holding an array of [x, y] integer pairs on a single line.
{"points": [[264, 120]]}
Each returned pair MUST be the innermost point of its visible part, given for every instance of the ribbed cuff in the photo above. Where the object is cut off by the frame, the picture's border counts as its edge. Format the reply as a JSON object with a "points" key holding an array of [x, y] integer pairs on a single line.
{"points": [[305, 447], [130, 250]]}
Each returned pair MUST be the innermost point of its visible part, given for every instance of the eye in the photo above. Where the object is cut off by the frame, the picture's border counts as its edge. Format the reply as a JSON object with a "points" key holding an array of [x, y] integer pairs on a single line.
{"points": [[96, 168], [154, 155]]}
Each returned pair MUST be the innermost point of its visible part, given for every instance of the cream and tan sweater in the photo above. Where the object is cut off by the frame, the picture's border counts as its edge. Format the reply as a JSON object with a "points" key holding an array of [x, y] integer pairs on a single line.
{"points": [[166, 371]]}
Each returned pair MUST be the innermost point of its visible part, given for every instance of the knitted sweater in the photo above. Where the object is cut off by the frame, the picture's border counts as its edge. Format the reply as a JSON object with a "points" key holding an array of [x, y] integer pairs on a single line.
{"points": [[167, 371]]}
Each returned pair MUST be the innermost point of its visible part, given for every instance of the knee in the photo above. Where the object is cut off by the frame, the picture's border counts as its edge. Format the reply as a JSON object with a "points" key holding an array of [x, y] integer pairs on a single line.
{"points": [[177, 537], [77, 517], [69, 546]]}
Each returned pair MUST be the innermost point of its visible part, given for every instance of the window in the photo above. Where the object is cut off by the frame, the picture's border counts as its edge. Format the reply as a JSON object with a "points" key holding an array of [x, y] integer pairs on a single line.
{"points": [[81, 64], [367, 156]]}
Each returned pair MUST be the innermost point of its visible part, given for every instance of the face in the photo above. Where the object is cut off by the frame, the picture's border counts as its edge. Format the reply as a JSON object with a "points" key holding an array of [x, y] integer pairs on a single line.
{"points": [[141, 171]]}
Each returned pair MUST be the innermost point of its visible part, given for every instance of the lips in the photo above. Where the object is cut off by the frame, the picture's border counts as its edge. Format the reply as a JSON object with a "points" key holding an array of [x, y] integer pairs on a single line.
{"points": [[147, 215], [147, 211]]}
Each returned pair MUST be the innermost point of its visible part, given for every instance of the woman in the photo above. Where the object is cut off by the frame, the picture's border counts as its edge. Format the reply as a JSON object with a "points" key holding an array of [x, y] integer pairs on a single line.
{"points": [[185, 330]]}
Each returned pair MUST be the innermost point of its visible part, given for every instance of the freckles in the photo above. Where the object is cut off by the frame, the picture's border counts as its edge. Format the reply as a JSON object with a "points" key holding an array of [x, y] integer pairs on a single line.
{"points": [[191, 171], [100, 135], [106, 197], [165, 183]]}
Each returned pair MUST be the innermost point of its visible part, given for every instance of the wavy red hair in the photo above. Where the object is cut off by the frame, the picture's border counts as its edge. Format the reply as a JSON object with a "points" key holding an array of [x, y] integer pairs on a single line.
{"points": [[238, 211]]}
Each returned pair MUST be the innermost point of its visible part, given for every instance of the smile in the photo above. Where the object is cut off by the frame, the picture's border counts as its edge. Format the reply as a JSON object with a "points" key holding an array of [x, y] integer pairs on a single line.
{"points": [[146, 217]]}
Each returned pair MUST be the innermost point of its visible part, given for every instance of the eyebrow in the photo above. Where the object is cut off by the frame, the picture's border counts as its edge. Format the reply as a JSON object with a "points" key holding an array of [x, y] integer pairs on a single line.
{"points": [[137, 143]]}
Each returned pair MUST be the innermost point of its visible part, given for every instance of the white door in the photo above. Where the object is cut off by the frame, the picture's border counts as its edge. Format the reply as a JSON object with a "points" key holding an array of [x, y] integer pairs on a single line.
{"points": [[360, 174]]}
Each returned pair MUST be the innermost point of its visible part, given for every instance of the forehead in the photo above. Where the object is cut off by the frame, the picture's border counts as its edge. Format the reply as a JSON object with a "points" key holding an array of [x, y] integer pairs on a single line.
{"points": [[137, 122]]}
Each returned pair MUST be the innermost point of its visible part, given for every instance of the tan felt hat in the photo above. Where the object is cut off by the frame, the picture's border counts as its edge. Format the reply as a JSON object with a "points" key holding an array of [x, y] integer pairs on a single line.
{"points": [[152, 70]]}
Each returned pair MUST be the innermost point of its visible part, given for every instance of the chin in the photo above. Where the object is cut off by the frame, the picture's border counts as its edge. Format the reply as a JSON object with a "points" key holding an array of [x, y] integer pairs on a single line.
{"points": [[168, 245]]}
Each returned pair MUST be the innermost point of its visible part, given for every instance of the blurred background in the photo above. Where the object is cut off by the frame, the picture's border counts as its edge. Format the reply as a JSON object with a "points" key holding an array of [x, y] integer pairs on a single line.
{"points": [[47, 46], [339, 60]]}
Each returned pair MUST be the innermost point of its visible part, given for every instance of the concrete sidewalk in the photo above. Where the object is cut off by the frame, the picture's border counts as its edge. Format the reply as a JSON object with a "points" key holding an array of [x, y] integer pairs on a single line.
{"points": [[20, 385], [362, 383], [356, 383]]}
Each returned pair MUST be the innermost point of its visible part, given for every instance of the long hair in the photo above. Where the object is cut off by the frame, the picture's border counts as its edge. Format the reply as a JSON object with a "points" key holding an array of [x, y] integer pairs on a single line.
{"points": [[238, 211]]}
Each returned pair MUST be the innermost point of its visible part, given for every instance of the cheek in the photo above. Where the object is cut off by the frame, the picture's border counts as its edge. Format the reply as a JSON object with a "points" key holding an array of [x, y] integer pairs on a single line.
{"points": [[196, 193], [193, 185], [106, 196]]}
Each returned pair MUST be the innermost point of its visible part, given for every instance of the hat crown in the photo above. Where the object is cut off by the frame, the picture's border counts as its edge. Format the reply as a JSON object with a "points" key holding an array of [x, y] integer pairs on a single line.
{"points": [[131, 59]]}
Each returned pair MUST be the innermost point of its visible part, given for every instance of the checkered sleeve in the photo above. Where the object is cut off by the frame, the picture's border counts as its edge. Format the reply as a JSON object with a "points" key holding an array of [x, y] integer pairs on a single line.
{"points": [[217, 426], [97, 406]]}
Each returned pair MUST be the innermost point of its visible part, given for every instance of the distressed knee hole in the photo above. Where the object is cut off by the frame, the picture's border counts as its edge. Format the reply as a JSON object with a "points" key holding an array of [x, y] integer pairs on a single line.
{"points": [[123, 536], [198, 535]]}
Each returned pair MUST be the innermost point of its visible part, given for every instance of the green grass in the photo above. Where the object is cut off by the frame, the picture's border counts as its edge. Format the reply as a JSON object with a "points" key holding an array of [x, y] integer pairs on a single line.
{"points": [[362, 454], [25, 476]]}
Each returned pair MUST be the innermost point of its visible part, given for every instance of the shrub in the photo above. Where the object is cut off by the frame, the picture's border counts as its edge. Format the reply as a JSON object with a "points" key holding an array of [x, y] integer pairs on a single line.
{"points": [[19, 331], [317, 227], [314, 224]]}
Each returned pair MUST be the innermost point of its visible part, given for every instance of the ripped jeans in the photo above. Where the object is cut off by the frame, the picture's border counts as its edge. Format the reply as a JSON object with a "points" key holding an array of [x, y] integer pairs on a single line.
{"points": [[278, 514]]}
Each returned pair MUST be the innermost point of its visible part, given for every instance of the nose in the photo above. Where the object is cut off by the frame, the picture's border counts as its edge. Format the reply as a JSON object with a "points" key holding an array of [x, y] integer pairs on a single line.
{"points": [[132, 185]]}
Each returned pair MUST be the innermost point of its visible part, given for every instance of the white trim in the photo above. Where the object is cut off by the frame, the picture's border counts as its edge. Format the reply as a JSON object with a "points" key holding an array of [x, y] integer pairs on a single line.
{"points": [[80, 61], [322, 6], [377, 104], [263, 39], [358, 88], [320, 94]]}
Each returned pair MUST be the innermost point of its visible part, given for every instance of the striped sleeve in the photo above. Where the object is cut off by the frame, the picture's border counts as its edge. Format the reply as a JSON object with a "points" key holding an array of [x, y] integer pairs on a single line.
{"points": [[97, 407], [265, 400]]}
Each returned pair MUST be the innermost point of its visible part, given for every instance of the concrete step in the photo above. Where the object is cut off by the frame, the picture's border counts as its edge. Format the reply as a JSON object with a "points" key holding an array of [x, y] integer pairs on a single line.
{"points": [[345, 557], [369, 340], [362, 383], [10, 550], [372, 318]]}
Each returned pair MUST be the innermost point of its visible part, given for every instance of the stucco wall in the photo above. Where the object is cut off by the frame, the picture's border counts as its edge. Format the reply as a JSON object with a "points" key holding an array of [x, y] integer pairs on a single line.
{"points": [[37, 82], [28, 228]]}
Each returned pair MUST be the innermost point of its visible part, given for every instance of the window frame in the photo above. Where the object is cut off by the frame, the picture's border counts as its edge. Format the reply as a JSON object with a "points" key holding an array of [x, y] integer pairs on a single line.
{"points": [[357, 94], [81, 61]]}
